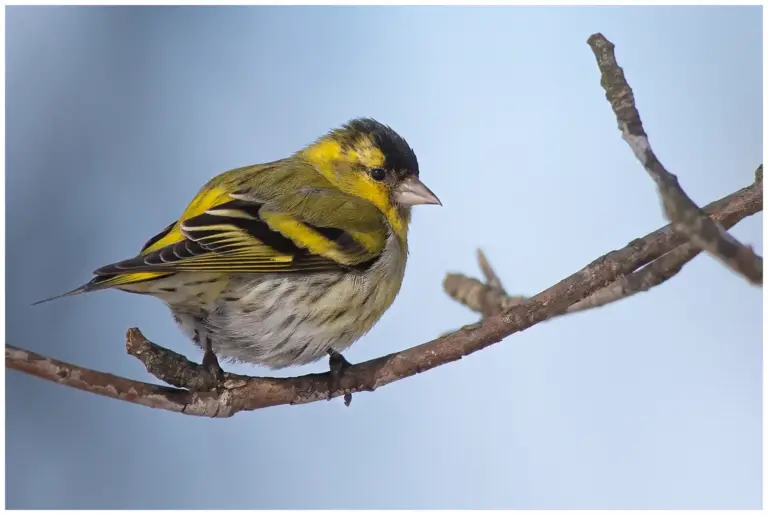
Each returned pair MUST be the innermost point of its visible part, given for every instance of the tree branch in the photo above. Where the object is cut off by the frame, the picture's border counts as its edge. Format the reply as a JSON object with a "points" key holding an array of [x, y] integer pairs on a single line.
{"points": [[678, 207], [101, 383], [245, 393], [504, 318], [488, 300]]}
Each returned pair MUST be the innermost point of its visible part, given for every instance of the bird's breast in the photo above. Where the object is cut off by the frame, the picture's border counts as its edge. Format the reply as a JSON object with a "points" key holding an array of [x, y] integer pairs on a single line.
{"points": [[282, 320]]}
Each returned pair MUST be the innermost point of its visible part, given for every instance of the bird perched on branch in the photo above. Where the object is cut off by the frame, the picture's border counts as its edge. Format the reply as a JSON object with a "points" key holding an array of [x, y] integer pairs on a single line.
{"points": [[283, 263]]}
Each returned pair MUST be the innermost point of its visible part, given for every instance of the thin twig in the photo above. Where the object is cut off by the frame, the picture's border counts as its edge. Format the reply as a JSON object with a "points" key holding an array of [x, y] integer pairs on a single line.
{"points": [[491, 278], [678, 207]]}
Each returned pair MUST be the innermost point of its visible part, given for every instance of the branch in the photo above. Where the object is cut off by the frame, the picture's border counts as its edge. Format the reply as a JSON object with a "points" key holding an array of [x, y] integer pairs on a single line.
{"points": [[245, 393], [678, 207], [666, 249], [488, 300], [101, 383]]}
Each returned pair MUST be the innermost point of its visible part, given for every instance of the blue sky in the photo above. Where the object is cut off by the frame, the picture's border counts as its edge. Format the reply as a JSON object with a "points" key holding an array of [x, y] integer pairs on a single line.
{"points": [[116, 116]]}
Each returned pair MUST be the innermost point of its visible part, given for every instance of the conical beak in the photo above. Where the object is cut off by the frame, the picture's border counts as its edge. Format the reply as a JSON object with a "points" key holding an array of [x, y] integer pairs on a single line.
{"points": [[412, 192]]}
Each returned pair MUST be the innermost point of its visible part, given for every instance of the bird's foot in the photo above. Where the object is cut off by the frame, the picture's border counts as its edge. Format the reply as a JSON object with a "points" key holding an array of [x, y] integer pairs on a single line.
{"points": [[214, 375], [338, 364]]}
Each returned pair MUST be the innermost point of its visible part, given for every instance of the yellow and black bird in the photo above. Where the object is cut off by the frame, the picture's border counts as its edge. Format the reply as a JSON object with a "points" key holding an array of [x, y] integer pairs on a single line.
{"points": [[282, 263]]}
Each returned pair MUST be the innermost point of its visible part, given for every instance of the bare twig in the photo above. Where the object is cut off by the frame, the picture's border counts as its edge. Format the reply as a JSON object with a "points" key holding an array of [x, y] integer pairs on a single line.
{"points": [[491, 279], [484, 299], [244, 393], [678, 207], [479, 296]]}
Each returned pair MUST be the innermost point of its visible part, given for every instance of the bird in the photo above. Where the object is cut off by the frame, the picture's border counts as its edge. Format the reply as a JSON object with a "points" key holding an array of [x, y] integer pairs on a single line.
{"points": [[282, 263]]}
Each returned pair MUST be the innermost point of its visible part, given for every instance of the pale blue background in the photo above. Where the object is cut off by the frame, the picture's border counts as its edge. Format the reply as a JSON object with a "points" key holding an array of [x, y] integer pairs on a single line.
{"points": [[116, 116]]}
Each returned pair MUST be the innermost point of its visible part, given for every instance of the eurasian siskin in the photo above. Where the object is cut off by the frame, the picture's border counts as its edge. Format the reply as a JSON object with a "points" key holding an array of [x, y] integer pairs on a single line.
{"points": [[282, 263]]}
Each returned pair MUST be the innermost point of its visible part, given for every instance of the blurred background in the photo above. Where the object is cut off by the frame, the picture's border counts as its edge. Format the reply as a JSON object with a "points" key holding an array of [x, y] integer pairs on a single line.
{"points": [[116, 116]]}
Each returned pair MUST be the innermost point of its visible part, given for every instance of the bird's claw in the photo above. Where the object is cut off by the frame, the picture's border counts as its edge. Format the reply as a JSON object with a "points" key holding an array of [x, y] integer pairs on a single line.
{"points": [[214, 379], [338, 365]]}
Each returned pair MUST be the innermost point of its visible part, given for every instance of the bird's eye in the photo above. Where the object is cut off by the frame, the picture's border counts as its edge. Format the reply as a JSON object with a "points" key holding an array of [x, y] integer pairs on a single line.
{"points": [[378, 174]]}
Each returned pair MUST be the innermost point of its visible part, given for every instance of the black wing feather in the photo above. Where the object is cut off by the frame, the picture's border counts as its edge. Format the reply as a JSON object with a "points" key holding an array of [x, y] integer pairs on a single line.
{"points": [[199, 242]]}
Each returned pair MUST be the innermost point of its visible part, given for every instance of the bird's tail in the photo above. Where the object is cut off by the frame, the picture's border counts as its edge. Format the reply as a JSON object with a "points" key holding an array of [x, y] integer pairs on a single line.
{"points": [[82, 289], [108, 281]]}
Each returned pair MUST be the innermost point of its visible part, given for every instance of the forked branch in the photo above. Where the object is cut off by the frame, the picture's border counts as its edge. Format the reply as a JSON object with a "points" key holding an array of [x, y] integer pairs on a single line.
{"points": [[678, 207], [642, 264], [487, 300]]}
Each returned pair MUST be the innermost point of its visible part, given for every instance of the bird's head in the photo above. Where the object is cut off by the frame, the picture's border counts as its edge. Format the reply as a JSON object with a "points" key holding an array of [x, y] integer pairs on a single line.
{"points": [[369, 160]]}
